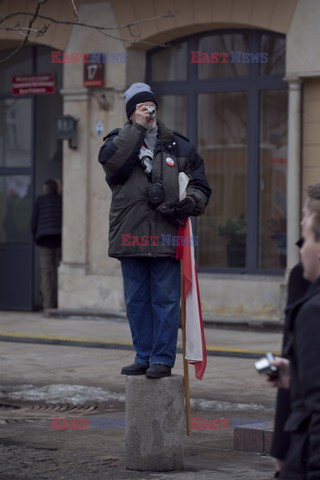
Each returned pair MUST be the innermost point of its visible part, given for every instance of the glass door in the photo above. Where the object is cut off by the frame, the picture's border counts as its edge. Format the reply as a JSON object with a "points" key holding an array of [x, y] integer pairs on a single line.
{"points": [[15, 203]]}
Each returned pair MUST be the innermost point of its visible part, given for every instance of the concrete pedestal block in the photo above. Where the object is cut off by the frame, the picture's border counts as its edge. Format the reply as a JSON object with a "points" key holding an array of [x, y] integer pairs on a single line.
{"points": [[155, 422]]}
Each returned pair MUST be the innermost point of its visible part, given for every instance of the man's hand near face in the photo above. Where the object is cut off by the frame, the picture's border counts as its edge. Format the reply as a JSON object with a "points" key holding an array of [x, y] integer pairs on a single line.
{"points": [[141, 114]]}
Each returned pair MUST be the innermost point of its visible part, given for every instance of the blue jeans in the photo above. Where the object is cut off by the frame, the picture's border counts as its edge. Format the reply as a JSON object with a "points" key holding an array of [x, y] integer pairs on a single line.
{"points": [[152, 298]]}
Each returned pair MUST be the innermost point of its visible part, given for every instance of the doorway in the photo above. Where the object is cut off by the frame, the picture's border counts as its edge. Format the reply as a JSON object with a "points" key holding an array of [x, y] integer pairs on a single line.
{"points": [[29, 154]]}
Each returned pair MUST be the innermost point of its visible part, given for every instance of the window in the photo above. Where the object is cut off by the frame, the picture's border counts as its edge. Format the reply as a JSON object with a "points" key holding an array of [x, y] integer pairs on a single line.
{"points": [[235, 112], [223, 143], [272, 178], [173, 111], [15, 194], [170, 63], [223, 43], [15, 132]]}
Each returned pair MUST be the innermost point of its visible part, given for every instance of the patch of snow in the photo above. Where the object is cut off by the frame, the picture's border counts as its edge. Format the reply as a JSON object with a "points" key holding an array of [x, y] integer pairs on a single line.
{"points": [[60, 393]]}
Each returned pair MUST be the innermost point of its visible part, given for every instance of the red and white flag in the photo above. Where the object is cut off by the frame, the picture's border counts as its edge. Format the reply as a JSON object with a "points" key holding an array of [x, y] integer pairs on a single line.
{"points": [[196, 352]]}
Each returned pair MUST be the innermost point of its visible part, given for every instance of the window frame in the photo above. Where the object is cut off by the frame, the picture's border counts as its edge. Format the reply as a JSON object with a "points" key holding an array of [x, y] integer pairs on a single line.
{"points": [[253, 84]]}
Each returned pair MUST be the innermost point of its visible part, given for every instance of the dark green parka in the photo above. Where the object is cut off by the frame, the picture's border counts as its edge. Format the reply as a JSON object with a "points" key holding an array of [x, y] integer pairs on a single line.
{"points": [[131, 215]]}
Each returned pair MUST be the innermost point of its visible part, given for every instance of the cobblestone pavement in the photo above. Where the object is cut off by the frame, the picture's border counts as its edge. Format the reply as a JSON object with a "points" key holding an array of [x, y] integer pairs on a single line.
{"points": [[31, 450], [45, 381]]}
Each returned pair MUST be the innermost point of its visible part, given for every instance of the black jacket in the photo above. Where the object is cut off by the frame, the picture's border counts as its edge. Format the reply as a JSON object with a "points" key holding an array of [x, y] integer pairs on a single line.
{"points": [[47, 217], [131, 212], [303, 350], [297, 288]]}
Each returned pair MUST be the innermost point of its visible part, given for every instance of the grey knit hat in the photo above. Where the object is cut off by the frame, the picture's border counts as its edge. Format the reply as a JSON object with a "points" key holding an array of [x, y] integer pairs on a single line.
{"points": [[138, 93]]}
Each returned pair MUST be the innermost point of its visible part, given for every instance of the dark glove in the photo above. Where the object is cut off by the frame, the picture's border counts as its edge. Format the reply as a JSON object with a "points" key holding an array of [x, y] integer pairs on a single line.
{"points": [[168, 210], [185, 207]]}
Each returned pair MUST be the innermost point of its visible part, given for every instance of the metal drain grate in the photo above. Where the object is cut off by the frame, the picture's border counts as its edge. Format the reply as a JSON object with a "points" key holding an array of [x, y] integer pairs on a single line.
{"points": [[64, 407], [8, 406]]}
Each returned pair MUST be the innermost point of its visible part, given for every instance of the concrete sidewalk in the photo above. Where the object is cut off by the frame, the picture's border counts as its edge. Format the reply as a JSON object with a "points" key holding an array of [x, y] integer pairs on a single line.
{"points": [[116, 330], [40, 381], [239, 321]]}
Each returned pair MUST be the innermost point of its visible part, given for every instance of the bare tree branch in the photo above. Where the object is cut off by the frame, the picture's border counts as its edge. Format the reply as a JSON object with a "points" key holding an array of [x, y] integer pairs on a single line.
{"points": [[28, 31], [88, 25], [99, 28], [24, 41], [25, 31]]}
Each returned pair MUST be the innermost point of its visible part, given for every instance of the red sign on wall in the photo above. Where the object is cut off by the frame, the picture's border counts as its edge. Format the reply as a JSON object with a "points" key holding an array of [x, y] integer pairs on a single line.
{"points": [[33, 84], [93, 73]]}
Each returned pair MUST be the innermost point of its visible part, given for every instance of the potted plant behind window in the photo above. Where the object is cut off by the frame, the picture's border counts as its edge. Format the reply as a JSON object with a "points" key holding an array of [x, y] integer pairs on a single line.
{"points": [[234, 231]]}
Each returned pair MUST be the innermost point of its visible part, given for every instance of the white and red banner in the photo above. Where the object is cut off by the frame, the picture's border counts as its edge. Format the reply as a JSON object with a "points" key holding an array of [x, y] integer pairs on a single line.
{"points": [[196, 352]]}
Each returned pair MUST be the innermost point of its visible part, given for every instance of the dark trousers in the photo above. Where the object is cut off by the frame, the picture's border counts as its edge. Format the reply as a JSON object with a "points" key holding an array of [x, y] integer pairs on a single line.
{"points": [[295, 466], [281, 438], [49, 262]]}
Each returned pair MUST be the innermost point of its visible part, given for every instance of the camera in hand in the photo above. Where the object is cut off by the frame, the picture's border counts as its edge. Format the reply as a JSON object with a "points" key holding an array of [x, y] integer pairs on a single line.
{"points": [[265, 366], [151, 110]]}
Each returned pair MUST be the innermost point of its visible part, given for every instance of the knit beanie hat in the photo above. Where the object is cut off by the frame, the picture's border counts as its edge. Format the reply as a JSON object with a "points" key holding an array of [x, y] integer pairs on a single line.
{"points": [[138, 93]]}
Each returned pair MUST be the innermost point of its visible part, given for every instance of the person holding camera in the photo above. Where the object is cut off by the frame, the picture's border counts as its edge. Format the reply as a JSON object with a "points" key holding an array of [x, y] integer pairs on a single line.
{"points": [[297, 288], [300, 370], [142, 162]]}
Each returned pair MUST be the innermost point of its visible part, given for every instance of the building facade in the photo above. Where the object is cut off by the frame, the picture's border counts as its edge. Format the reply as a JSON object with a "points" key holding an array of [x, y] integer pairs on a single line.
{"points": [[241, 79]]}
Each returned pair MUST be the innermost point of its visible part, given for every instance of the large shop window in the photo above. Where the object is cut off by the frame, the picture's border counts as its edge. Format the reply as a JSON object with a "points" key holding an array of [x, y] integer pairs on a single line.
{"points": [[235, 112]]}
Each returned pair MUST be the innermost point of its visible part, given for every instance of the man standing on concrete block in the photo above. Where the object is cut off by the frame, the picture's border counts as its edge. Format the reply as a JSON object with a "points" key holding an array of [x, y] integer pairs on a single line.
{"points": [[142, 162]]}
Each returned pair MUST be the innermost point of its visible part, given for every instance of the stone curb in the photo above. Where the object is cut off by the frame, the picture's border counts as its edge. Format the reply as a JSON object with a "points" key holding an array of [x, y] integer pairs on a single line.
{"points": [[245, 323]]}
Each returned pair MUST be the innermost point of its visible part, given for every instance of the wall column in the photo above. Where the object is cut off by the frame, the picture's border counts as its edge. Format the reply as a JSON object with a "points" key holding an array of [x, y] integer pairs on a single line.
{"points": [[294, 171], [74, 239]]}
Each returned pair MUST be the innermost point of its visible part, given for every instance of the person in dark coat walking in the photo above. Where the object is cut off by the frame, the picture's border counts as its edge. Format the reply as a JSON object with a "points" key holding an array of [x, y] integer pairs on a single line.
{"points": [[297, 287], [46, 226], [303, 351]]}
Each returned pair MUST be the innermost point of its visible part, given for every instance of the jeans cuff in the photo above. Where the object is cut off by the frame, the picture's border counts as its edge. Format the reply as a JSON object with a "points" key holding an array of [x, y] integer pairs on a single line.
{"points": [[161, 363]]}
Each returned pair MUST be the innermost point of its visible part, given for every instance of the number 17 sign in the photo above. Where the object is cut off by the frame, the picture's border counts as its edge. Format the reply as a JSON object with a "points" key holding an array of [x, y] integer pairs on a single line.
{"points": [[93, 73]]}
